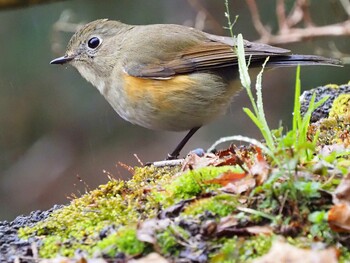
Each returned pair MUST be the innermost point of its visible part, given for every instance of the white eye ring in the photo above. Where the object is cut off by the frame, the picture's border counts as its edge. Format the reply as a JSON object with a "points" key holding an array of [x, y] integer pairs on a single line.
{"points": [[94, 42]]}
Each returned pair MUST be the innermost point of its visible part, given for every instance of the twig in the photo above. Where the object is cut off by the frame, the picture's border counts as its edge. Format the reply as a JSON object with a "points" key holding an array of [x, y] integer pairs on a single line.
{"points": [[288, 31], [281, 17], [259, 27], [304, 5], [300, 34], [204, 12], [346, 6], [295, 16]]}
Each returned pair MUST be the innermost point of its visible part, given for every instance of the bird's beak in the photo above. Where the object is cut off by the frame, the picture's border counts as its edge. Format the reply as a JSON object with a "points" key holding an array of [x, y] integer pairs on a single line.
{"points": [[62, 60]]}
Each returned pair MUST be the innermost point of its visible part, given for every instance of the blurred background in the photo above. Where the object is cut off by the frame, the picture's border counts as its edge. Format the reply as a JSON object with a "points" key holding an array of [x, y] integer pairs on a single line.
{"points": [[58, 136]]}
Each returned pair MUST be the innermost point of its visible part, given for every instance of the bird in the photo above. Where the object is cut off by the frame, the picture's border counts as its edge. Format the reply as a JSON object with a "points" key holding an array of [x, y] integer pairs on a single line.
{"points": [[167, 76]]}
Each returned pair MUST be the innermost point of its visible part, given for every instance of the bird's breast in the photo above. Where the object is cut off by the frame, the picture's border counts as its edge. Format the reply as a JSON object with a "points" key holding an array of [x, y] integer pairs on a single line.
{"points": [[178, 103]]}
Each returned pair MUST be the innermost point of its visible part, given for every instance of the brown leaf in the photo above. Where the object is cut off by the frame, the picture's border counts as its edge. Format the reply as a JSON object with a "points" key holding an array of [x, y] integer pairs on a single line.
{"points": [[283, 252], [260, 168], [70, 260], [221, 158], [146, 231], [226, 178], [226, 222], [328, 149], [339, 218], [258, 230], [240, 186], [174, 210], [150, 258], [342, 192], [193, 161], [228, 226]]}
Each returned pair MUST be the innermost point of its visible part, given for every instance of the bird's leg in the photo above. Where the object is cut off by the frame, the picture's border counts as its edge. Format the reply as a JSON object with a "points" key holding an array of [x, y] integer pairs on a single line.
{"points": [[183, 142]]}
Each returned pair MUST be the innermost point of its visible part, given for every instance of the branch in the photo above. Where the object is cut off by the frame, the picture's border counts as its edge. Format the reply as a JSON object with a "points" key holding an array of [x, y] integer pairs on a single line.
{"points": [[300, 34], [9, 4], [281, 16], [346, 6], [204, 14], [259, 27], [289, 32]]}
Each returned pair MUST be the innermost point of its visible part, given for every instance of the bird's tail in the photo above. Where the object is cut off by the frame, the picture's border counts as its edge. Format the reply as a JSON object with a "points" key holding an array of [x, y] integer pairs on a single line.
{"points": [[294, 60]]}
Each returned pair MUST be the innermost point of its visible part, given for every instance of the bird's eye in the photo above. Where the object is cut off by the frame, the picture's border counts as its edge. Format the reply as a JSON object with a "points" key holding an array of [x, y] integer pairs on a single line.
{"points": [[94, 42]]}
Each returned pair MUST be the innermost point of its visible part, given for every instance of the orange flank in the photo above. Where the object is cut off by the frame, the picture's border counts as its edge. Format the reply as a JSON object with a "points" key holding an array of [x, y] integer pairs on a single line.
{"points": [[159, 92]]}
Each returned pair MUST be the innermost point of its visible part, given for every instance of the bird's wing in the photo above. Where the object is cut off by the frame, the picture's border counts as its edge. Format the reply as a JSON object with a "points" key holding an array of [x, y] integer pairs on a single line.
{"points": [[211, 53]]}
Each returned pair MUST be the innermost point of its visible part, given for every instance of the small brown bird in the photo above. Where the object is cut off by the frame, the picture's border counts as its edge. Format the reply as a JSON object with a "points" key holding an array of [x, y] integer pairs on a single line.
{"points": [[167, 77]]}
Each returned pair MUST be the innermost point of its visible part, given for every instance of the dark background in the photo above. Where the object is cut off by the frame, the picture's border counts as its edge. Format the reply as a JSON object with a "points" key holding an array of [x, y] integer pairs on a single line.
{"points": [[56, 128]]}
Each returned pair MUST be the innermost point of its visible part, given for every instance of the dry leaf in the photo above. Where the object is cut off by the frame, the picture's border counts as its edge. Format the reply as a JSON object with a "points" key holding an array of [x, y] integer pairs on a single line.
{"points": [[328, 149], [283, 252], [193, 161], [342, 192], [226, 178], [70, 260], [226, 222], [146, 231], [339, 218], [225, 157], [260, 230], [150, 258], [240, 186], [228, 226], [260, 168]]}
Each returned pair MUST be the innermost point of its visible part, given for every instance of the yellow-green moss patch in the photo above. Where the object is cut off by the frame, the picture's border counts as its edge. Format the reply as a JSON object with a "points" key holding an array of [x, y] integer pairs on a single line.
{"points": [[221, 205], [124, 240], [77, 226], [235, 250], [341, 106], [191, 184]]}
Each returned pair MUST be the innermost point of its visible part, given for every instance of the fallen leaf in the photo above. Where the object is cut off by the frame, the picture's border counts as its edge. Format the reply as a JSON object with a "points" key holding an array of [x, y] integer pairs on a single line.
{"points": [[342, 192], [197, 253], [339, 217], [284, 252], [150, 258], [72, 260], [228, 226], [221, 158], [240, 186], [226, 178], [260, 168], [175, 210], [328, 149], [226, 222], [193, 161], [260, 230], [146, 231]]}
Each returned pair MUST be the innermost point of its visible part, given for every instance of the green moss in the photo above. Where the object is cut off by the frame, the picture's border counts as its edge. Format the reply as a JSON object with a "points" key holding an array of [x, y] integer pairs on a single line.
{"points": [[333, 86], [332, 130], [168, 243], [255, 247], [340, 106], [344, 255], [235, 250], [125, 240], [228, 252], [168, 240], [221, 205], [124, 204], [191, 184], [119, 203]]}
